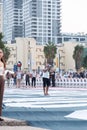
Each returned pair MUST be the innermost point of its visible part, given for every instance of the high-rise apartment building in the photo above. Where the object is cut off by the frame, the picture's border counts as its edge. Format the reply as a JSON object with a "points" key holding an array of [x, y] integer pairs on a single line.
{"points": [[1, 16], [41, 20], [12, 22]]}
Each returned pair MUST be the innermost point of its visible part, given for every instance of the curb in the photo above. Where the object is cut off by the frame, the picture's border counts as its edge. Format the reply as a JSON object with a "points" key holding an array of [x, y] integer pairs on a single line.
{"points": [[12, 124]]}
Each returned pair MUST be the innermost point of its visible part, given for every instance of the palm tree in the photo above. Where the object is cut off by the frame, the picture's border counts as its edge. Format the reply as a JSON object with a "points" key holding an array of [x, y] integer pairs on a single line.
{"points": [[50, 51], [5, 49], [78, 56]]}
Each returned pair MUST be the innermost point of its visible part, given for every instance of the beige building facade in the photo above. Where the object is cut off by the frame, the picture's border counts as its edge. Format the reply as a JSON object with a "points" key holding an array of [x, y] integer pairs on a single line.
{"points": [[65, 56], [32, 55], [26, 51]]}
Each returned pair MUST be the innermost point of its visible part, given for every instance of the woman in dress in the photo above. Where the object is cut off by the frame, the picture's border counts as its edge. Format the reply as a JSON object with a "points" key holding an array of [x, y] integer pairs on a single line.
{"points": [[2, 71]]}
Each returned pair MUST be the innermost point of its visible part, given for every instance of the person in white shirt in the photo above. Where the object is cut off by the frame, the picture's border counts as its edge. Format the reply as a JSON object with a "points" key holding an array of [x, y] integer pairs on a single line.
{"points": [[2, 81], [46, 81]]}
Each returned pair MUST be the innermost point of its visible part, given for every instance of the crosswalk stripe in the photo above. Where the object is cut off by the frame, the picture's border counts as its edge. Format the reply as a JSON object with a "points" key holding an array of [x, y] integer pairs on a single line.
{"points": [[34, 98]]}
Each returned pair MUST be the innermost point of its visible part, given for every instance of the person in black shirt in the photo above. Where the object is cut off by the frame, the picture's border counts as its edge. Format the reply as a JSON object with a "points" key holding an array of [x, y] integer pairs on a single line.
{"points": [[27, 78]]}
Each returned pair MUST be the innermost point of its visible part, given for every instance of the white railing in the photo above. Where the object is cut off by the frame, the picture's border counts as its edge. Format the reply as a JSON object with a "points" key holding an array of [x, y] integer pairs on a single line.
{"points": [[72, 82], [60, 82]]}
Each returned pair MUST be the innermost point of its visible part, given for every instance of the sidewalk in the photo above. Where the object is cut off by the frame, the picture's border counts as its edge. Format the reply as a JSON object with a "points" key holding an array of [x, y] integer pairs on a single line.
{"points": [[19, 128], [12, 124]]}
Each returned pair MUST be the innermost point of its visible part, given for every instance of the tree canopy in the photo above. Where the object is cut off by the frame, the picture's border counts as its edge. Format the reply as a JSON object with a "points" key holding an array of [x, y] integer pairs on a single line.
{"points": [[50, 51], [85, 62], [78, 56]]}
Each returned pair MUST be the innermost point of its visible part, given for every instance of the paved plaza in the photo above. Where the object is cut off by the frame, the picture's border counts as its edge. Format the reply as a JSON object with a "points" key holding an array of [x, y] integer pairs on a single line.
{"points": [[62, 109]]}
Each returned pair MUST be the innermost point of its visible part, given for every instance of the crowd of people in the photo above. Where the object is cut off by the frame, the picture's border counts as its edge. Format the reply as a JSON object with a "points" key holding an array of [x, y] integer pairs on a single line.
{"points": [[30, 77], [19, 75], [48, 76]]}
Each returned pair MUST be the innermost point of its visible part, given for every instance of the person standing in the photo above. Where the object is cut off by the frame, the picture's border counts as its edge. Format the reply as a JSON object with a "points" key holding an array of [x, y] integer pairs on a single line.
{"points": [[46, 81], [8, 76], [27, 78], [2, 81], [34, 78], [15, 78], [52, 76], [19, 77]]}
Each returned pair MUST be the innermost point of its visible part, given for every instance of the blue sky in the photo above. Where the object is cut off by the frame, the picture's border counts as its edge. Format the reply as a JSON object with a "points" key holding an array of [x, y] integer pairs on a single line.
{"points": [[74, 16]]}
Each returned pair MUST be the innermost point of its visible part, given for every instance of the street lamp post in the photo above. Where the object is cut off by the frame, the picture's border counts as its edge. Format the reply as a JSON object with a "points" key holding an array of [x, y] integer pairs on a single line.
{"points": [[60, 55], [29, 57], [59, 62], [29, 61], [28, 64]]}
